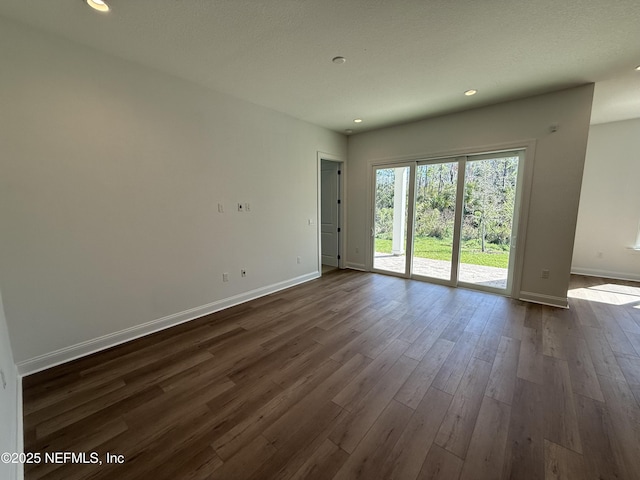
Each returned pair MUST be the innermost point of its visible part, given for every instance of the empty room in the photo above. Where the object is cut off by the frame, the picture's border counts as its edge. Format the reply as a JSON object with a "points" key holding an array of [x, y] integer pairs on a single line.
{"points": [[319, 240]]}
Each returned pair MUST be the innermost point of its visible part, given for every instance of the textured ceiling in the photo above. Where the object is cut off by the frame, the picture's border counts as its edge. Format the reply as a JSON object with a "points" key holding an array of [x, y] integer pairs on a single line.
{"points": [[406, 59]]}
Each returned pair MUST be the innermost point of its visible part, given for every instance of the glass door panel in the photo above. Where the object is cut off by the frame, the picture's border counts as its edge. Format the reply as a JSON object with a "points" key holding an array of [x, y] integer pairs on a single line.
{"points": [[488, 221], [434, 225], [390, 219]]}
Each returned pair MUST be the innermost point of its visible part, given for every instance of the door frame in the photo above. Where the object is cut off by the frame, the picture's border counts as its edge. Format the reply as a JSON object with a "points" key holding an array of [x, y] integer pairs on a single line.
{"points": [[457, 223], [513, 250], [409, 225], [342, 210], [521, 208]]}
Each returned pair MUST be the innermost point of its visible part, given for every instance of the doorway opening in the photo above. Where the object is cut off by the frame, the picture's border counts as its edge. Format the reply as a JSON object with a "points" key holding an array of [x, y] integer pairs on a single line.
{"points": [[331, 214], [449, 220]]}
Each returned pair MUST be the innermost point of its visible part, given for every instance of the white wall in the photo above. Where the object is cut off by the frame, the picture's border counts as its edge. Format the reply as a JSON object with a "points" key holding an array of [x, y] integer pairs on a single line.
{"points": [[10, 434], [609, 213], [111, 177], [555, 182]]}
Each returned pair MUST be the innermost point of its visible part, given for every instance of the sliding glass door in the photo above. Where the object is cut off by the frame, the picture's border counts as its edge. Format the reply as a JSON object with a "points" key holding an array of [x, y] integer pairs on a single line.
{"points": [[391, 219], [488, 220], [450, 220], [435, 220]]}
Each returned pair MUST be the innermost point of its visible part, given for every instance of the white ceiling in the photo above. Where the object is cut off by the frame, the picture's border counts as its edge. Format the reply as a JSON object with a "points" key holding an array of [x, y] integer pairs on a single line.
{"points": [[406, 59]]}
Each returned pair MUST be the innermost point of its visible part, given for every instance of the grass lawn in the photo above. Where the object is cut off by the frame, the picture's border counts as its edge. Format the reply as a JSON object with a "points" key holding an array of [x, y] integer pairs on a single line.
{"points": [[435, 249]]}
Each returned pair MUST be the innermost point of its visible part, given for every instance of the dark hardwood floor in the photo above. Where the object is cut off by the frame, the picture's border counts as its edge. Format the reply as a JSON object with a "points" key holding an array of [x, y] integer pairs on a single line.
{"points": [[359, 376]]}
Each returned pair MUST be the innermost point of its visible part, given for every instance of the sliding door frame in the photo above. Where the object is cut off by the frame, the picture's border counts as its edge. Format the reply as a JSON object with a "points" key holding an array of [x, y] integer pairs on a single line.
{"points": [[409, 223], [455, 254], [513, 250], [521, 207]]}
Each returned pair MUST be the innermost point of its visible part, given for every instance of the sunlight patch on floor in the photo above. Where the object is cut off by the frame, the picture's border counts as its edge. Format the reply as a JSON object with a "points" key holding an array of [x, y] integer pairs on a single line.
{"points": [[608, 293]]}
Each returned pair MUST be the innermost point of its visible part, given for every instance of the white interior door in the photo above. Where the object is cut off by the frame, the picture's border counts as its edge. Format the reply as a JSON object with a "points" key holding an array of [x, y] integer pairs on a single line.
{"points": [[330, 213]]}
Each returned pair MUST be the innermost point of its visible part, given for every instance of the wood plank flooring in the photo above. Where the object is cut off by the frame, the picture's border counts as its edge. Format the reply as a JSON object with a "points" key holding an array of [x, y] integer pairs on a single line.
{"points": [[359, 376]]}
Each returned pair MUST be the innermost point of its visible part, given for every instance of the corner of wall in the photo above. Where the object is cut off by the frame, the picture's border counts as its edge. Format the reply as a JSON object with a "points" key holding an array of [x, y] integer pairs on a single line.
{"points": [[10, 405], [19, 467], [560, 302]]}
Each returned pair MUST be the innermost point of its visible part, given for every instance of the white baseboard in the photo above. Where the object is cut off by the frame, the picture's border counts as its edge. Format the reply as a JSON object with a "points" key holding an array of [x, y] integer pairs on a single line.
{"points": [[592, 272], [63, 355], [550, 300], [356, 266]]}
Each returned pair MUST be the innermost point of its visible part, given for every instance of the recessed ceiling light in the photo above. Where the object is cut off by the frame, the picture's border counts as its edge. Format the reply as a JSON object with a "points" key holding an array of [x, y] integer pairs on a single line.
{"points": [[468, 93], [357, 120], [338, 60], [638, 68], [98, 5]]}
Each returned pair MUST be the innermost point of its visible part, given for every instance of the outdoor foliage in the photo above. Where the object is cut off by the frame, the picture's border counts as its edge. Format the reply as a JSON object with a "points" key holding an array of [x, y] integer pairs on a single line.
{"points": [[489, 197]]}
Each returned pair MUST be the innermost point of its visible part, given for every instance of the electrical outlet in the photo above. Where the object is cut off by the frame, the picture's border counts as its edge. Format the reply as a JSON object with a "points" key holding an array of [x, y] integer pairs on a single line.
{"points": [[247, 207], [299, 260], [225, 277], [544, 273], [243, 273], [220, 208], [240, 207]]}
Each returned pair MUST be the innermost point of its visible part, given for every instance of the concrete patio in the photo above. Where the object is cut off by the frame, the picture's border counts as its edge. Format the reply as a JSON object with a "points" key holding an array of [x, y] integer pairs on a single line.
{"points": [[476, 274]]}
